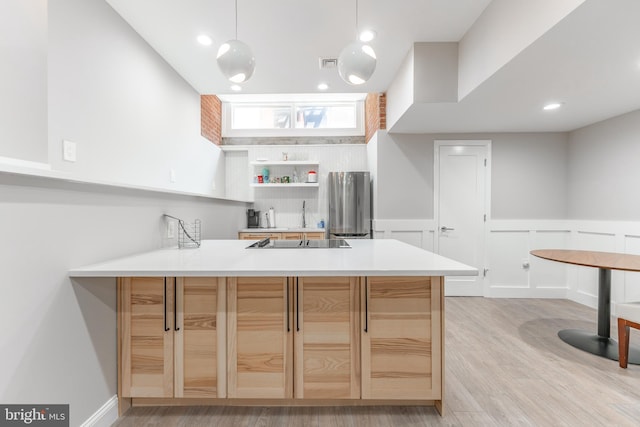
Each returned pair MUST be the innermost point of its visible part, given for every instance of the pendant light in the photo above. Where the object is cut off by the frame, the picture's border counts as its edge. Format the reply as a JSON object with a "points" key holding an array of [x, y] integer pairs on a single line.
{"points": [[235, 58], [357, 61]]}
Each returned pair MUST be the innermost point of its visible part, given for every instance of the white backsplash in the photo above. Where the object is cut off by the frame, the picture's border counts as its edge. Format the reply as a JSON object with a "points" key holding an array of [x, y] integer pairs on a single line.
{"points": [[287, 201]]}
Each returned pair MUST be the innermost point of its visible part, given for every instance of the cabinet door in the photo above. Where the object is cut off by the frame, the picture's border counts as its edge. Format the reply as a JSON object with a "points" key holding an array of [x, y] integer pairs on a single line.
{"points": [[145, 334], [292, 236], [402, 338], [260, 343], [200, 331], [327, 338], [314, 235], [259, 236]]}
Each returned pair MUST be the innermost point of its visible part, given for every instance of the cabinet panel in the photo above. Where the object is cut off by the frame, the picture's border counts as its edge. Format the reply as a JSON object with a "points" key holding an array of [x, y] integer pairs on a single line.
{"points": [[200, 332], [292, 236], [146, 347], [401, 339], [314, 235], [260, 345], [327, 338], [259, 236]]}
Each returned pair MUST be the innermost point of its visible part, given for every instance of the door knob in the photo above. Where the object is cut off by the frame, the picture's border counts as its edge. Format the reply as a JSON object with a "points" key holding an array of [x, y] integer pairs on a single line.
{"points": [[443, 229]]}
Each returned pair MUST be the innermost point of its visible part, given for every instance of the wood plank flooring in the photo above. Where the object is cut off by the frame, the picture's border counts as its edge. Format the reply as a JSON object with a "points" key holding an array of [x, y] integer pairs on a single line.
{"points": [[505, 366]]}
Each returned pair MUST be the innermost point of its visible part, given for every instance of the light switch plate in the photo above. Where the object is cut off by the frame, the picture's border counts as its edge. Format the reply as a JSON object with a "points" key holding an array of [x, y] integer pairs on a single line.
{"points": [[69, 151]]}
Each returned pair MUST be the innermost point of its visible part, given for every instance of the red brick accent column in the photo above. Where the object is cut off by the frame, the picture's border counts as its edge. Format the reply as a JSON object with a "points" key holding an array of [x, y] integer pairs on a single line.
{"points": [[211, 118], [375, 114]]}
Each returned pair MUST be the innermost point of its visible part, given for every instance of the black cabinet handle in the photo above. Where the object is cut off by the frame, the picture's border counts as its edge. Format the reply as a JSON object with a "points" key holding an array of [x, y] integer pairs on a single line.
{"points": [[366, 304], [297, 306], [166, 329], [287, 309], [175, 305]]}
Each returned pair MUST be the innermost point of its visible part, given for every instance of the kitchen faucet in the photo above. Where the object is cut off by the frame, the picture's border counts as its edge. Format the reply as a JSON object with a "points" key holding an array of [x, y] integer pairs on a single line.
{"points": [[304, 221]]}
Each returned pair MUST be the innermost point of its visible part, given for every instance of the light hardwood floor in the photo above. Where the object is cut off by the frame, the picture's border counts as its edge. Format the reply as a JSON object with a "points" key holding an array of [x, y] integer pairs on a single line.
{"points": [[505, 366]]}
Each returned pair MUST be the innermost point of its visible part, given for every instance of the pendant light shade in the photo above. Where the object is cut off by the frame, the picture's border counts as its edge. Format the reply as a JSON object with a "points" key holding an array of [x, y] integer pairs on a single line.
{"points": [[236, 61], [235, 58], [356, 63]]}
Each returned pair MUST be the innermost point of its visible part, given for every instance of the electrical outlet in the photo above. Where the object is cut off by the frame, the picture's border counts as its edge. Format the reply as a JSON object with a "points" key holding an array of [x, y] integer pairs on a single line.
{"points": [[171, 230], [68, 150], [172, 175]]}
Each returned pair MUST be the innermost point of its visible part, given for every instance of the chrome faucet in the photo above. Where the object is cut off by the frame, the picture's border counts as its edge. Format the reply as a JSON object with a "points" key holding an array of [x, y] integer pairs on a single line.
{"points": [[304, 221]]}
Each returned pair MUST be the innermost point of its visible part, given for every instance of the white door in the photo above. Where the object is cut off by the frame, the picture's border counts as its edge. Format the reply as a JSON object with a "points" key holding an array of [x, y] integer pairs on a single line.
{"points": [[461, 203]]}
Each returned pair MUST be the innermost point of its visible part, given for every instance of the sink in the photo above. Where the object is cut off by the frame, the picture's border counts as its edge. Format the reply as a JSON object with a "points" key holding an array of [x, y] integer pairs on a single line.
{"points": [[300, 244]]}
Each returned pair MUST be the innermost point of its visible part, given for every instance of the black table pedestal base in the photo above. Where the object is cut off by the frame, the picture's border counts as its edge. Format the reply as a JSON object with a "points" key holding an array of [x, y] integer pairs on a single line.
{"points": [[596, 344]]}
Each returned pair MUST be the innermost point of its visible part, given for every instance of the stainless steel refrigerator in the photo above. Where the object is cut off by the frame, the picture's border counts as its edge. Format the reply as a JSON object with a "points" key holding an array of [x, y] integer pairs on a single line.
{"points": [[349, 205]]}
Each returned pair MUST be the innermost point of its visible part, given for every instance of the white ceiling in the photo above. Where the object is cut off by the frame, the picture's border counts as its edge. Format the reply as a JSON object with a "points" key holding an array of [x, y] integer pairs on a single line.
{"points": [[590, 60]]}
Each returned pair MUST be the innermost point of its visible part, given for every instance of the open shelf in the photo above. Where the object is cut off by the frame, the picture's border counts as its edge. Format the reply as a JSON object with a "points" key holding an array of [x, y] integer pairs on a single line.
{"points": [[285, 163], [291, 184]]}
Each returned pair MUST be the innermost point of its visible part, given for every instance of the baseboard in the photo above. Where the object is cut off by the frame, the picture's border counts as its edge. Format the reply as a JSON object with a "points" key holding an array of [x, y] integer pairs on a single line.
{"points": [[105, 416]]}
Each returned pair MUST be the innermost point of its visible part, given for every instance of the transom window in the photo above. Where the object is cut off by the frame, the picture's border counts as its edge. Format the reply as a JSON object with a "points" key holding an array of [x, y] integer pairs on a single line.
{"points": [[293, 118]]}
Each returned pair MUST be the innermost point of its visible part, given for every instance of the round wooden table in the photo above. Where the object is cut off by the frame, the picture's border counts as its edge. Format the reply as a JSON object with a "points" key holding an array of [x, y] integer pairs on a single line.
{"points": [[601, 344]]}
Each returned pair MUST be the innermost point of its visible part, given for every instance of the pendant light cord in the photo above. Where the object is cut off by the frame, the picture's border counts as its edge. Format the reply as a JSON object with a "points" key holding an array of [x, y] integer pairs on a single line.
{"points": [[236, 19], [357, 35]]}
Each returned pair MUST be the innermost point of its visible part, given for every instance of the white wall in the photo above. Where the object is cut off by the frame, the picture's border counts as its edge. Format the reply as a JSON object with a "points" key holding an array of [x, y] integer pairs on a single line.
{"points": [[404, 176], [604, 172], [504, 29], [133, 118], [528, 174], [400, 95], [23, 80]]}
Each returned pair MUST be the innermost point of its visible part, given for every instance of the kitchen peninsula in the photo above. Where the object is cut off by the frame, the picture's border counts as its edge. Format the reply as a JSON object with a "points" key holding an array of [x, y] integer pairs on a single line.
{"points": [[227, 325]]}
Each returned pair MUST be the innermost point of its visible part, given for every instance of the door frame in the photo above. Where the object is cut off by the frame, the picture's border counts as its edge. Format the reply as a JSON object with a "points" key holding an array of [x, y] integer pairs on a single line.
{"points": [[482, 270]]}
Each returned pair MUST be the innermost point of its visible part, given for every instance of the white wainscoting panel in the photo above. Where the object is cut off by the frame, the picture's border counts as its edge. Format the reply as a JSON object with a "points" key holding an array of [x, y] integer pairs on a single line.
{"points": [[630, 291], [508, 250], [585, 280], [416, 232], [509, 245], [546, 274], [513, 271]]}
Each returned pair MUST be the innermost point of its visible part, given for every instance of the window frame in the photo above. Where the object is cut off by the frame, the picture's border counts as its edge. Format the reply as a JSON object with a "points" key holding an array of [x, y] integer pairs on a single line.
{"points": [[228, 131]]}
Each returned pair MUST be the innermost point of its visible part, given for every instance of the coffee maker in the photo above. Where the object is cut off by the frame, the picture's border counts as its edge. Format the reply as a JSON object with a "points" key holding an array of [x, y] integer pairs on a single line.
{"points": [[253, 218]]}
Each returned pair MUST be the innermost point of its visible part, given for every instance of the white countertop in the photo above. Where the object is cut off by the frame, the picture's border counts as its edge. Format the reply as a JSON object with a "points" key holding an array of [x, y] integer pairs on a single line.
{"points": [[377, 257]]}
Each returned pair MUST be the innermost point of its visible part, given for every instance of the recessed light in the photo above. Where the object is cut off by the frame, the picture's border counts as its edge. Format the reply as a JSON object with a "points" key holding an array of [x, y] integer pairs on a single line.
{"points": [[552, 106], [204, 40], [367, 35], [236, 88], [323, 86]]}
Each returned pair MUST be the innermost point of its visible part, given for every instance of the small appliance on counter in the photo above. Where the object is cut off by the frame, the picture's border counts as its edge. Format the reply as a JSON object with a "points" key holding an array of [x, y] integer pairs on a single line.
{"points": [[253, 218], [271, 218]]}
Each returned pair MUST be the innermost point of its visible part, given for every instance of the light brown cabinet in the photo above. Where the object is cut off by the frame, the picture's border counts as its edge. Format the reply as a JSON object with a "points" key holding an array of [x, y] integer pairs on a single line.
{"points": [[172, 337], [327, 338], [283, 338], [308, 322], [258, 236], [402, 338], [311, 235], [260, 345]]}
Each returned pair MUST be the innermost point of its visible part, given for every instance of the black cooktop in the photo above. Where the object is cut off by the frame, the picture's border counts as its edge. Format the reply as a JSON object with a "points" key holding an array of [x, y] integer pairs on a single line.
{"points": [[300, 244]]}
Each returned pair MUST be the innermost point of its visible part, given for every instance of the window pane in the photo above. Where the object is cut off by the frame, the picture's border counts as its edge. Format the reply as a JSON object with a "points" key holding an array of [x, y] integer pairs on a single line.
{"points": [[261, 117], [326, 116]]}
